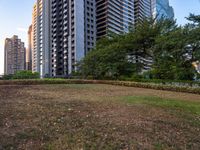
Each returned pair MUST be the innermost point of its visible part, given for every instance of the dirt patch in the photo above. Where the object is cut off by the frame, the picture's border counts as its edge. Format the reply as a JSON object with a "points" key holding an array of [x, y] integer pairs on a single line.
{"points": [[90, 117]]}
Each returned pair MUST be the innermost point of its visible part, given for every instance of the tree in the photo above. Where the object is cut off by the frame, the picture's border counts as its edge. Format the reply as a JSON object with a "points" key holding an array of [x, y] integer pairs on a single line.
{"points": [[174, 53], [193, 37], [173, 49], [141, 40], [108, 60]]}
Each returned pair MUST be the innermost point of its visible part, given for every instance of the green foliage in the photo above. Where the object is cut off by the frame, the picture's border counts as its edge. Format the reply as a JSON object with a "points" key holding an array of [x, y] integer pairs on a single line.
{"points": [[173, 49], [109, 60], [198, 76], [26, 75], [172, 55], [7, 77], [114, 56]]}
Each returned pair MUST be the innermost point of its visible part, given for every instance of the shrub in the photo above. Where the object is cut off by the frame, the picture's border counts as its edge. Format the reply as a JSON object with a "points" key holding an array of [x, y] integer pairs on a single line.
{"points": [[26, 75], [7, 77]]}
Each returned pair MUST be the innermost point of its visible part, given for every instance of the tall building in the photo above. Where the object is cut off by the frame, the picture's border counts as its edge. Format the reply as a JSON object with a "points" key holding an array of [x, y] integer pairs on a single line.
{"points": [[29, 49], [161, 8], [41, 37], [34, 39], [142, 9], [14, 55], [65, 30], [73, 28], [114, 16]]}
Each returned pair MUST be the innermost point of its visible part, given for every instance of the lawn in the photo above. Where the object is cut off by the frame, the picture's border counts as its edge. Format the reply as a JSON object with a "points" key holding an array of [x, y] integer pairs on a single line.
{"points": [[97, 116]]}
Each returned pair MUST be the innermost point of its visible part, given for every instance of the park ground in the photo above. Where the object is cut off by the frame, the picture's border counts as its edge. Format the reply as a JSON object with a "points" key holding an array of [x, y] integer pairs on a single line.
{"points": [[97, 116]]}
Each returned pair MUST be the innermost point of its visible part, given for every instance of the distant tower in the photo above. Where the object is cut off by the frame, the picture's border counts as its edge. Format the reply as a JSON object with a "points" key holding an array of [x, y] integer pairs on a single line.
{"points": [[162, 8], [14, 55], [29, 49]]}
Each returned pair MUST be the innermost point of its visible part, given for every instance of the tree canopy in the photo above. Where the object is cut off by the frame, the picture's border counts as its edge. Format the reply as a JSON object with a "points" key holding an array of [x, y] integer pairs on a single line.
{"points": [[172, 49]]}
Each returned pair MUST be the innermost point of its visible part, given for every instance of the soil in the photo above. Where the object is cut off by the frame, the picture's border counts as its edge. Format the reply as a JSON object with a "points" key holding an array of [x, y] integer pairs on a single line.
{"points": [[84, 117]]}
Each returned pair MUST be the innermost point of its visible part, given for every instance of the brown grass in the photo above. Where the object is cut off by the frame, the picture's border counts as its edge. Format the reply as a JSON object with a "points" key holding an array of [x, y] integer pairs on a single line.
{"points": [[92, 117]]}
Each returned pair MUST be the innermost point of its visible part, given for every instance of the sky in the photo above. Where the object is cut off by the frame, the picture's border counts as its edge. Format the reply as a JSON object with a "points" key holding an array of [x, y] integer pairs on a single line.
{"points": [[16, 16]]}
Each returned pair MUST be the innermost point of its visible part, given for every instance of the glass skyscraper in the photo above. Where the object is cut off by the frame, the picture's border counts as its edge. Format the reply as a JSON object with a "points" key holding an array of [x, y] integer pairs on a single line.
{"points": [[161, 8]]}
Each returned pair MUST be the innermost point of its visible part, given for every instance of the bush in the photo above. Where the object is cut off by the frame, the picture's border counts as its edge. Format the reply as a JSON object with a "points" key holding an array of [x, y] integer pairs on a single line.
{"points": [[7, 77], [26, 75]]}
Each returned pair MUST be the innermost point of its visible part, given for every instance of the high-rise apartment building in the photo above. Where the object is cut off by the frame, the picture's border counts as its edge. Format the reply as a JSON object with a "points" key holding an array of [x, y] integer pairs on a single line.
{"points": [[34, 39], [29, 49], [14, 55], [73, 28], [142, 9], [161, 8], [114, 16], [63, 31], [41, 37]]}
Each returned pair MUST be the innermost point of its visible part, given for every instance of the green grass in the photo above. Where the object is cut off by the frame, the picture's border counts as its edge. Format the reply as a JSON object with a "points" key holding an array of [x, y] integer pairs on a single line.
{"points": [[186, 106], [188, 110]]}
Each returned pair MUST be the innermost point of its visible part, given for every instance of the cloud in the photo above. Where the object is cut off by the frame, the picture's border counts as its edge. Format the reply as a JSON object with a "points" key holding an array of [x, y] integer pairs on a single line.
{"points": [[22, 29]]}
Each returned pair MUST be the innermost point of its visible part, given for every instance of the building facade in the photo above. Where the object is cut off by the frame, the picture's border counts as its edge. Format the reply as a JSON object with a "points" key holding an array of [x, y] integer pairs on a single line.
{"points": [[63, 31], [14, 55], [73, 28], [34, 39], [114, 16], [29, 49], [162, 8], [142, 9], [41, 37]]}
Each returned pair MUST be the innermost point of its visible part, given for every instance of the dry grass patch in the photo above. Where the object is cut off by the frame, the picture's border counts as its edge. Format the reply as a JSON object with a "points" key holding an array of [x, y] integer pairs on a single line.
{"points": [[97, 117]]}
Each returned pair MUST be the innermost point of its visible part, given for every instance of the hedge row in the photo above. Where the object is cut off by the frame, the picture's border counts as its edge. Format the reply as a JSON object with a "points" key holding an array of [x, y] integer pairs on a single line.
{"points": [[165, 82], [120, 83]]}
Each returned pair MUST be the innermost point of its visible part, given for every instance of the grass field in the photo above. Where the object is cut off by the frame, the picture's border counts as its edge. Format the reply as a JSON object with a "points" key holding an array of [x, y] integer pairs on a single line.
{"points": [[97, 116]]}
